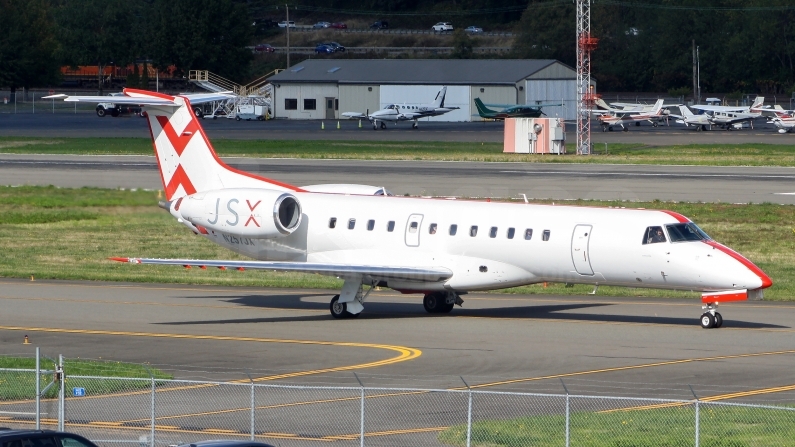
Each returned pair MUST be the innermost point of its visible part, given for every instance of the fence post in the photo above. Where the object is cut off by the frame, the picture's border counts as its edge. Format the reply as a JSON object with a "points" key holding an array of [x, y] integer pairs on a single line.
{"points": [[469, 413], [697, 415], [253, 405], [568, 413], [152, 429], [38, 389], [61, 397], [361, 421]]}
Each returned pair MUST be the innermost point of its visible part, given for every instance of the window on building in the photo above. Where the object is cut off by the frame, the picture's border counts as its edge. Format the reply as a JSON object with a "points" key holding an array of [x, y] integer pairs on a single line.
{"points": [[332, 222], [290, 104], [528, 234], [453, 229], [545, 235], [351, 224], [493, 232], [473, 231], [310, 104], [370, 225], [511, 232], [390, 227], [336, 104], [432, 229]]}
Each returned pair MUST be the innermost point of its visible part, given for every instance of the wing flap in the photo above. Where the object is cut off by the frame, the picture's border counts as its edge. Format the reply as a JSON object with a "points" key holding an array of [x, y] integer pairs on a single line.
{"points": [[419, 274]]}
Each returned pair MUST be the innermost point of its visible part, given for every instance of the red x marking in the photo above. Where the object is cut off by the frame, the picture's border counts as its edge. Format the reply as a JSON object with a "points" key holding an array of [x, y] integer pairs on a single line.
{"points": [[179, 178], [178, 141], [251, 218]]}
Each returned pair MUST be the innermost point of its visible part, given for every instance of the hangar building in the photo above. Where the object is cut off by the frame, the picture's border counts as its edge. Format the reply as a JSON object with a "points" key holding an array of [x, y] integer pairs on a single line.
{"points": [[326, 88]]}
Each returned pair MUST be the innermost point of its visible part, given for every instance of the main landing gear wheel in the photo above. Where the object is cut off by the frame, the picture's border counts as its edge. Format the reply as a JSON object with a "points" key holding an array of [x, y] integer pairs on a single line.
{"points": [[438, 302], [718, 320], [625, 129], [707, 320], [340, 310], [383, 125], [415, 126], [610, 128], [653, 124]]}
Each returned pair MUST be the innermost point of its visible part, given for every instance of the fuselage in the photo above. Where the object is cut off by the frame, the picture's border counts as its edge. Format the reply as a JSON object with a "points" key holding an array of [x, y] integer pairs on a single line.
{"points": [[490, 245]]}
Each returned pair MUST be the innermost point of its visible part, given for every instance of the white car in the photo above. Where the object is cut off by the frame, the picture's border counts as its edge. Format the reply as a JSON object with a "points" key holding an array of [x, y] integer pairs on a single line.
{"points": [[109, 108], [442, 27], [283, 24]]}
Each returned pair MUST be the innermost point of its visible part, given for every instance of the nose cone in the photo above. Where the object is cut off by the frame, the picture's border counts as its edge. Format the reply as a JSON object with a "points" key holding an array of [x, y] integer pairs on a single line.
{"points": [[755, 274]]}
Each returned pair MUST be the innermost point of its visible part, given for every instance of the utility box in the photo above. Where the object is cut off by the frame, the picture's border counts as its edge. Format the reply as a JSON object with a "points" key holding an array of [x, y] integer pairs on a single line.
{"points": [[534, 136]]}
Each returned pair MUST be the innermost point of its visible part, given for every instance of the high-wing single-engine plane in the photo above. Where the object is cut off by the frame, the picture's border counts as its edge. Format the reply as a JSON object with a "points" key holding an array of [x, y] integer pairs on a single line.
{"points": [[404, 112], [440, 249], [622, 117]]}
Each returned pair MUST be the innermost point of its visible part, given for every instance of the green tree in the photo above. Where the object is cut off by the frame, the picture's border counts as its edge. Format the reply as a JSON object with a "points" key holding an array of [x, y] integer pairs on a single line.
{"points": [[462, 45], [27, 45]]}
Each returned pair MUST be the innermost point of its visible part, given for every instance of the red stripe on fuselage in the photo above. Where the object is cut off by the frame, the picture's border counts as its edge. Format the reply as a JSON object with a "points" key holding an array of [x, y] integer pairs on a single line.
{"points": [[766, 281], [676, 216]]}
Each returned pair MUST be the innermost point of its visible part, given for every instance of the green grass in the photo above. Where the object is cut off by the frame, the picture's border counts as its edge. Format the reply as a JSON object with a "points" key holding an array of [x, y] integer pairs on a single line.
{"points": [[630, 153], [22, 385], [104, 225], [720, 426]]}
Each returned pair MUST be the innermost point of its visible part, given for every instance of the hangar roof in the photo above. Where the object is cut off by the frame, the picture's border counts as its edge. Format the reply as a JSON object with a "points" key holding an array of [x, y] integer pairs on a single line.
{"points": [[419, 71]]}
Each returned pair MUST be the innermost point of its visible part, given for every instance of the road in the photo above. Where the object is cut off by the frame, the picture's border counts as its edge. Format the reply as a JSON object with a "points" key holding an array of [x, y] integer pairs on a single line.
{"points": [[89, 125], [549, 181], [598, 345]]}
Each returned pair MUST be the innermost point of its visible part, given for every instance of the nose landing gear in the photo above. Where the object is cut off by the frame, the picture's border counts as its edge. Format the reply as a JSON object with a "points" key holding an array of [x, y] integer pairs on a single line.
{"points": [[711, 318]]}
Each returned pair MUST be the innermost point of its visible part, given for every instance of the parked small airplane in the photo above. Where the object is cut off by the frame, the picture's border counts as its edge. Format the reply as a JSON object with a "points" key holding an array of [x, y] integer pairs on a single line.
{"points": [[509, 111], [700, 122], [757, 106], [625, 117], [404, 112], [733, 120], [438, 248], [784, 124]]}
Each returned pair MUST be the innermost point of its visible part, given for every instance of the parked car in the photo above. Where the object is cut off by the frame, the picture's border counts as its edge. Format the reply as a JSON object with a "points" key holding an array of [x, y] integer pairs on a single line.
{"points": [[335, 46], [473, 29], [112, 109], [339, 25], [264, 48], [283, 24], [321, 25], [9, 437], [442, 27], [323, 48], [381, 24], [226, 443]]}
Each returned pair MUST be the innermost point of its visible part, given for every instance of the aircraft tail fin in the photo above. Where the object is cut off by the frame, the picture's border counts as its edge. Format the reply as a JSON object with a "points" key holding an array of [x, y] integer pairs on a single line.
{"points": [[685, 111], [483, 111], [657, 107], [758, 102], [602, 104], [439, 100]]}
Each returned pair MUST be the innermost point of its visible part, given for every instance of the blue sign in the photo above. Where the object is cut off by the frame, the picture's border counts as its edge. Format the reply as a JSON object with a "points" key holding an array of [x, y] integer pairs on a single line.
{"points": [[78, 392]]}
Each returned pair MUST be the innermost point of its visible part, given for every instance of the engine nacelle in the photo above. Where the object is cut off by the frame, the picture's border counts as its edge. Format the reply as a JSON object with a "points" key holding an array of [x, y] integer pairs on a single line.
{"points": [[254, 213]]}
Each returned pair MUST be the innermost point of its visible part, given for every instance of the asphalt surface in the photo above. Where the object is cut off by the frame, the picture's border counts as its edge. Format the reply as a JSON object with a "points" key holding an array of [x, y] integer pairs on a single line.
{"points": [[89, 125], [457, 179], [598, 345]]}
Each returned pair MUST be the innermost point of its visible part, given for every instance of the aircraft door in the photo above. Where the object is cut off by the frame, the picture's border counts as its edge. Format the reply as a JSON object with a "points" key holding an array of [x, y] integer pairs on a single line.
{"points": [[579, 249], [413, 230]]}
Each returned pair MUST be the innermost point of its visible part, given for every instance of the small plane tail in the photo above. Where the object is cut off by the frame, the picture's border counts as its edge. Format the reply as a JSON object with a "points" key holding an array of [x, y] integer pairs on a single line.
{"points": [[483, 111], [686, 111], [600, 103], [657, 107], [439, 100], [758, 102]]}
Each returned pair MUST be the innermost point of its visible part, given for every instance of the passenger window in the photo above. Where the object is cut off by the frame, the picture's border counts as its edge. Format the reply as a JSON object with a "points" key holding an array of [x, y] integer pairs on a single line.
{"points": [[432, 229], [413, 227], [72, 442], [654, 235], [16, 443], [351, 224], [370, 225], [453, 229], [473, 231], [528, 234], [332, 222], [390, 227], [545, 235], [493, 232], [511, 232]]}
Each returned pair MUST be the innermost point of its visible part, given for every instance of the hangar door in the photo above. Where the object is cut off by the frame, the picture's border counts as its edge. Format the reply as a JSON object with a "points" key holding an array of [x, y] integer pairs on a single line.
{"points": [[559, 91], [457, 96]]}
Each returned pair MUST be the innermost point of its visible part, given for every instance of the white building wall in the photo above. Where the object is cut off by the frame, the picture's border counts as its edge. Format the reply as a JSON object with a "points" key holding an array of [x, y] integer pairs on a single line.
{"points": [[559, 91], [457, 96], [492, 94], [359, 98], [318, 92]]}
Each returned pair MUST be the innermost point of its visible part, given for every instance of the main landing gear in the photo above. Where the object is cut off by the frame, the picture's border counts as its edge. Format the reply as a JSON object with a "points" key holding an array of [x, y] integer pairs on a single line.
{"points": [[441, 302], [415, 125], [340, 310], [711, 318]]}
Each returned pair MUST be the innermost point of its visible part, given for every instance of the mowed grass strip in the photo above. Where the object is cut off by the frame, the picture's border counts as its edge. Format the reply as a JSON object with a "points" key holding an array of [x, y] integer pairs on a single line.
{"points": [[15, 385], [720, 426], [79, 248], [615, 153]]}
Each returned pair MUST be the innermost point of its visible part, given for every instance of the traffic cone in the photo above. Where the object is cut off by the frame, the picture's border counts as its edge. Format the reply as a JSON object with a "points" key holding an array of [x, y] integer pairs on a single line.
{"points": [[31, 278], [322, 125], [360, 126], [338, 124], [26, 342]]}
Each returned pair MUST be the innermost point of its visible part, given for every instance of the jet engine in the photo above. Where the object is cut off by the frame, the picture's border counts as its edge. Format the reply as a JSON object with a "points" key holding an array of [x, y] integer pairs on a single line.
{"points": [[253, 213]]}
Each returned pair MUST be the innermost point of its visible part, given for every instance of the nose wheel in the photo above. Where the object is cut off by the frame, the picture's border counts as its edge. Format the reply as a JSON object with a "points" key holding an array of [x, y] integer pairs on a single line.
{"points": [[711, 318]]}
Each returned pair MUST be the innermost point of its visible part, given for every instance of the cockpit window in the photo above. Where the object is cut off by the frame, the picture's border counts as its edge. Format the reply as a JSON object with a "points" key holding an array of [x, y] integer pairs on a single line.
{"points": [[686, 232], [654, 235]]}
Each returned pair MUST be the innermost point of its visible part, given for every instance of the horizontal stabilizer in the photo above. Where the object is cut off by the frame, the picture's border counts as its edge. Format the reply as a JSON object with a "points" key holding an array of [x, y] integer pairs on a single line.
{"points": [[145, 98], [420, 274]]}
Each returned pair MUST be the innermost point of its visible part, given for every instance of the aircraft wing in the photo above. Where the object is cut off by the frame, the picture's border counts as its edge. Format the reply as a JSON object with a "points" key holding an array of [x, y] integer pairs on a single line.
{"points": [[419, 274], [145, 100], [355, 115], [719, 108]]}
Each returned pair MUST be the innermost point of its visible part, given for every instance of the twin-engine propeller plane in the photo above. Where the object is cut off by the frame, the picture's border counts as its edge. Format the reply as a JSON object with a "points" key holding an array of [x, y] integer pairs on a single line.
{"points": [[439, 248], [405, 112]]}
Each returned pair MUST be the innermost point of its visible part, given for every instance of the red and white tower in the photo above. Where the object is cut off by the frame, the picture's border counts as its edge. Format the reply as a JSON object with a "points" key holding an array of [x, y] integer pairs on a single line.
{"points": [[585, 95]]}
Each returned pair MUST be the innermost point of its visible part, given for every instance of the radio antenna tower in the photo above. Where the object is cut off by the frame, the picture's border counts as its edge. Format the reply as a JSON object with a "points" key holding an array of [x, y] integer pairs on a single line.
{"points": [[585, 95]]}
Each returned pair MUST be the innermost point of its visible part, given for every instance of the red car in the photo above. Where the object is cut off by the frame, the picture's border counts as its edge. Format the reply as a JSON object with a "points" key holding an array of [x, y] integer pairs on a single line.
{"points": [[339, 25], [264, 48]]}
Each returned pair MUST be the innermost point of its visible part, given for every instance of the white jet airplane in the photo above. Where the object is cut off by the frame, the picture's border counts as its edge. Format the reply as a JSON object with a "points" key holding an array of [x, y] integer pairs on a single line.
{"points": [[700, 122], [627, 117], [441, 249], [404, 112]]}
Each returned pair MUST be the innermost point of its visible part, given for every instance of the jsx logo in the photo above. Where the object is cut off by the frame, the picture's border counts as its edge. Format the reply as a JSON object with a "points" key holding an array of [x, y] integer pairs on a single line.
{"points": [[234, 213]]}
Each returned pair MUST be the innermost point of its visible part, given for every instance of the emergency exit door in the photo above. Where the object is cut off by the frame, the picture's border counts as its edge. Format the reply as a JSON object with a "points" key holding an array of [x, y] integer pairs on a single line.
{"points": [[579, 249], [413, 230]]}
